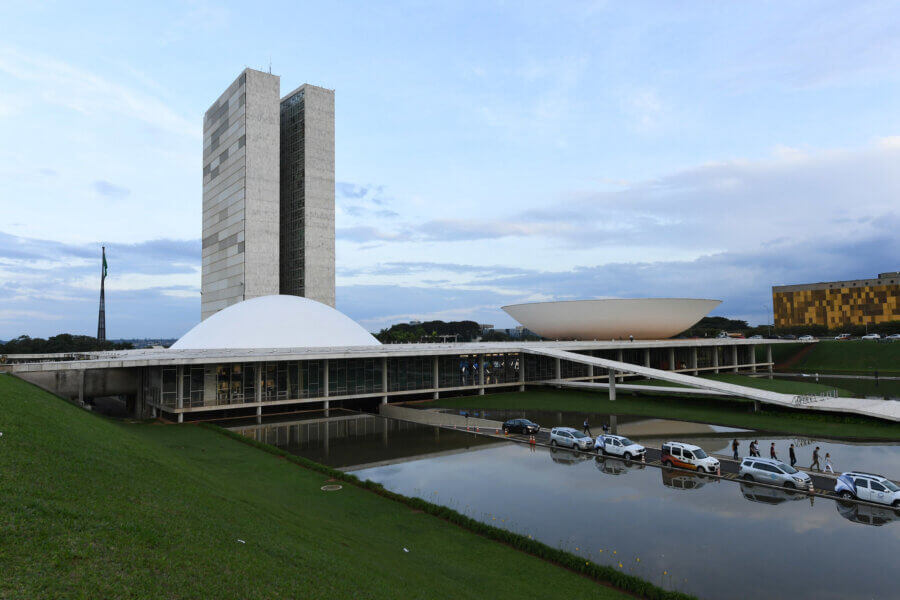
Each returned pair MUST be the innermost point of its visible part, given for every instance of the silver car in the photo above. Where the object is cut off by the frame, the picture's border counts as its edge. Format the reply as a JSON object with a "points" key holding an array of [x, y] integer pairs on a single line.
{"points": [[775, 472], [570, 438]]}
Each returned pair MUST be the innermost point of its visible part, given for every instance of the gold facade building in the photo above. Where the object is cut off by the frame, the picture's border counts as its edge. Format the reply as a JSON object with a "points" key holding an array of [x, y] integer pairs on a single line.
{"points": [[837, 304]]}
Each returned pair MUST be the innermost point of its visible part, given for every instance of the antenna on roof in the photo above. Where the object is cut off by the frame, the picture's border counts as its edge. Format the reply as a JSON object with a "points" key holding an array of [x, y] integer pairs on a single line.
{"points": [[270, 65]]}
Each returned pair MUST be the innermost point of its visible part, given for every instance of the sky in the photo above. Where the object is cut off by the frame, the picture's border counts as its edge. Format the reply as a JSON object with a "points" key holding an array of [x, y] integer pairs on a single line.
{"points": [[487, 153]]}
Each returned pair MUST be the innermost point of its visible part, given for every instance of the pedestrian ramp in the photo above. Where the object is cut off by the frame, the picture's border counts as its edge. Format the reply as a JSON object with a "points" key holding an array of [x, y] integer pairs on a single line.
{"points": [[882, 409]]}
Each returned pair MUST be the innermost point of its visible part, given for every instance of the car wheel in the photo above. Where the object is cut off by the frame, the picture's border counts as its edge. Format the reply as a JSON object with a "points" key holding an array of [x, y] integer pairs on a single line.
{"points": [[747, 477], [552, 442], [846, 495], [896, 504], [627, 456], [668, 464], [790, 485], [702, 470]]}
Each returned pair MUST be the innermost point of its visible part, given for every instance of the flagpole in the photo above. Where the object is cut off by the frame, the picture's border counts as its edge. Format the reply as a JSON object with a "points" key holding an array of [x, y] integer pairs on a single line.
{"points": [[101, 320]]}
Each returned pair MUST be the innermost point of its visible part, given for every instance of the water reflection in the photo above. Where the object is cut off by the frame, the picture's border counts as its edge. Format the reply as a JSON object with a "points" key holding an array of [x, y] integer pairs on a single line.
{"points": [[768, 495], [867, 515], [613, 466], [684, 480]]}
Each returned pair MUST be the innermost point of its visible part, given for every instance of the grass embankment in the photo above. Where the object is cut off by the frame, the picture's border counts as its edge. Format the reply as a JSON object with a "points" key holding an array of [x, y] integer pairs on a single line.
{"points": [[95, 508], [760, 383], [837, 357], [734, 413]]}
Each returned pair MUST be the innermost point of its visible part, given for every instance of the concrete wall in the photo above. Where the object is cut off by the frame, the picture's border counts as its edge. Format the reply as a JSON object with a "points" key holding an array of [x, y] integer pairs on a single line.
{"points": [[240, 193], [318, 168], [97, 382]]}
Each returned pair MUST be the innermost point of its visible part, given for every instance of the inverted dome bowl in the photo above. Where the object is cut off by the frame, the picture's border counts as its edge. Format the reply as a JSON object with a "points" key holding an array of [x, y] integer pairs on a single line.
{"points": [[643, 318]]}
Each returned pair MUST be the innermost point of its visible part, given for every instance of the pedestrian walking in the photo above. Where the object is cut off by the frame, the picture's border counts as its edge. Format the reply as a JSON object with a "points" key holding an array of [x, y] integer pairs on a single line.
{"points": [[754, 448], [605, 428], [793, 455], [829, 468], [772, 454], [734, 448], [815, 460], [587, 428]]}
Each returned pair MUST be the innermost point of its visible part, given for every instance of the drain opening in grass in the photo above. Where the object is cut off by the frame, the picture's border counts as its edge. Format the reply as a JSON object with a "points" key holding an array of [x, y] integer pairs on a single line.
{"points": [[330, 488]]}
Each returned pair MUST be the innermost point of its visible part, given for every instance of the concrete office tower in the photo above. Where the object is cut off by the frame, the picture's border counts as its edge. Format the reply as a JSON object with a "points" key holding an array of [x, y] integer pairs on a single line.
{"points": [[240, 193], [307, 194]]}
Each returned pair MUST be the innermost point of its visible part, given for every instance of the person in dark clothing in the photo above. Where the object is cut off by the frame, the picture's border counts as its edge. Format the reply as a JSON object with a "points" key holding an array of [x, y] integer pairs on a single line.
{"points": [[772, 454], [815, 461], [605, 428], [793, 455], [734, 448], [587, 428]]}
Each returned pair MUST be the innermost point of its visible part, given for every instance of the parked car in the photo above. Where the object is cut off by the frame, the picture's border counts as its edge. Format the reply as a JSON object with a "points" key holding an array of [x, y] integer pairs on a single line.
{"points": [[789, 336], [767, 495], [842, 336], [570, 438], [688, 456], [871, 336], [521, 426], [868, 487], [756, 337], [893, 336], [807, 338], [618, 445], [775, 472], [865, 514]]}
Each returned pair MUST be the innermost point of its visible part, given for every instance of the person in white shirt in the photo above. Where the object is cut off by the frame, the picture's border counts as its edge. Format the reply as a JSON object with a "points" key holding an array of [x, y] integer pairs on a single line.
{"points": [[829, 468], [600, 444]]}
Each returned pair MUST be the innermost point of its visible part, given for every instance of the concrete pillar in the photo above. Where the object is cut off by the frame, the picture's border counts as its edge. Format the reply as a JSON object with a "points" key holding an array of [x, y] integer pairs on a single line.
{"points": [[557, 368], [769, 356], [694, 360], [613, 424], [81, 387], [384, 379], [179, 386], [734, 359], [751, 352], [259, 370], [259, 414], [646, 357], [619, 357], [481, 375], [385, 425], [612, 384], [715, 359], [435, 378], [671, 359], [327, 407], [325, 378], [522, 372]]}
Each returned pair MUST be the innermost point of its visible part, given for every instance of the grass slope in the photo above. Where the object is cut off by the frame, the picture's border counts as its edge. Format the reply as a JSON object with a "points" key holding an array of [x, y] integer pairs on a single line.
{"points": [[760, 383], [854, 356], [735, 413], [99, 509]]}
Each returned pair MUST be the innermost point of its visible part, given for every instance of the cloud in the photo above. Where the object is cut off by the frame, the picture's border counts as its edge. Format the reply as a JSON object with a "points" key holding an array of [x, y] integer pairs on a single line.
{"points": [[364, 233], [105, 188]]}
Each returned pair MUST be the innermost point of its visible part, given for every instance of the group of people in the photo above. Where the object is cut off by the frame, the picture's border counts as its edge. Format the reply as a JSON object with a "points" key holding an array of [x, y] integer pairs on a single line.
{"points": [[600, 443], [792, 454]]}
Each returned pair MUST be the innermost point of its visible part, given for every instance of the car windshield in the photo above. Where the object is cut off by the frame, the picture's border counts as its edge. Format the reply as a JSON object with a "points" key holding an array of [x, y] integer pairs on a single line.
{"points": [[699, 453], [891, 485], [527, 422], [787, 468], [578, 435], [626, 442]]}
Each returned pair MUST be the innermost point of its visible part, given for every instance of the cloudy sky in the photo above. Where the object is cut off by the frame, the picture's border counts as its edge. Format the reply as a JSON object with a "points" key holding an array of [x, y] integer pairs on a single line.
{"points": [[487, 152]]}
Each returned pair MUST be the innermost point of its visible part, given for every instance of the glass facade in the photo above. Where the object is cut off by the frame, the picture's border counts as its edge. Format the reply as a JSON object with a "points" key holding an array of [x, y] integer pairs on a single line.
{"points": [[292, 207], [354, 376]]}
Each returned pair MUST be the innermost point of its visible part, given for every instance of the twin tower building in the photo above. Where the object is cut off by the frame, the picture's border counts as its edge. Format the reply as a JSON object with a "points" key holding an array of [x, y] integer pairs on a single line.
{"points": [[268, 193]]}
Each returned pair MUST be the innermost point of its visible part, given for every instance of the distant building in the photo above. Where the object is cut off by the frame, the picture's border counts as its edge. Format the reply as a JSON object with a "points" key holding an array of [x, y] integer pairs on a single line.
{"points": [[268, 193], [837, 304]]}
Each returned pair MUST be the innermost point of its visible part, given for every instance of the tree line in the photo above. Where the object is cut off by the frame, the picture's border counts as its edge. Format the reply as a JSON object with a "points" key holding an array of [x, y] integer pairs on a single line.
{"points": [[64, 342]]}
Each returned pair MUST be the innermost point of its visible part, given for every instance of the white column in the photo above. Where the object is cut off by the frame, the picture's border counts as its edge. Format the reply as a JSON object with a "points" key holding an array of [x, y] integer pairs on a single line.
{"points": [[671, 359], [435, 378], [612, 384], [384, 380], [646, 357], [769, 356], [557, 369], [179, 392], [259, 414], [734, 359], [325, 378], [481, 374], [716, 359], [521, 371], [751, 351], [694, 360]]}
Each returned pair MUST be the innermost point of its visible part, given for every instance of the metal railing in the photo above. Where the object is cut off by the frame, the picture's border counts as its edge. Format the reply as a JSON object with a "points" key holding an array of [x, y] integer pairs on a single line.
{"points": [[813, 398]]}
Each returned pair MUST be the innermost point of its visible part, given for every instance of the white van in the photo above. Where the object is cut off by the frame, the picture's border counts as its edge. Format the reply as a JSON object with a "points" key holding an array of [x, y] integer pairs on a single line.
{"points": [[688, 456]]}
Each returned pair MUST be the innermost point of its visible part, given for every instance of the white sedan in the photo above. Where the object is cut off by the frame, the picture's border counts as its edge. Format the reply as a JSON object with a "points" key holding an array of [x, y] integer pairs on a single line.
{"points": [[618, 445]]}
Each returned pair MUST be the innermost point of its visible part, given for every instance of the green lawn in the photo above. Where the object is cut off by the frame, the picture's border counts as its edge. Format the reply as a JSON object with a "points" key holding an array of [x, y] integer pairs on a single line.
{"points": [[91, 508], [735, 413], [854, 356], [760, 383]]}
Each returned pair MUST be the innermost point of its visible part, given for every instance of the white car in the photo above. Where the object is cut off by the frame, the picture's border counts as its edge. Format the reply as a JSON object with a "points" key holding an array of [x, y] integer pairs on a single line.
{"points": [[871, 336], [618, 445], [688, 456], [806, 338], [893, 336], [868, 487], [570, 438]]}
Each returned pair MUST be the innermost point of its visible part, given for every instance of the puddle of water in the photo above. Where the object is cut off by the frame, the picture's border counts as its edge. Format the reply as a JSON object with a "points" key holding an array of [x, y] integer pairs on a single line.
{"points": [[683, 532]]}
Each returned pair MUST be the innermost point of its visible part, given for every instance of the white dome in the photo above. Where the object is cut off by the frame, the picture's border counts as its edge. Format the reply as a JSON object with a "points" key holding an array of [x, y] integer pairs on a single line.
{"points": [[643, 318], [276, 322]]}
